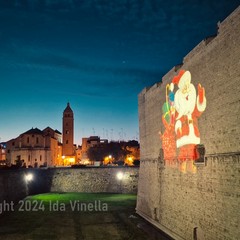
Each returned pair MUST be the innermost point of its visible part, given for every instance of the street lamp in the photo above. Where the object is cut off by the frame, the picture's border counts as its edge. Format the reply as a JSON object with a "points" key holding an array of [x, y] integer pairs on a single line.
{"points": [[63, 163], [120, 176], [29, 177]]}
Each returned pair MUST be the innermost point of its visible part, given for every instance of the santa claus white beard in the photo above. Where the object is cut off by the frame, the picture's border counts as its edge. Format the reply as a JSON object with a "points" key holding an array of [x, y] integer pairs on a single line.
{"points": [[185, 103]]}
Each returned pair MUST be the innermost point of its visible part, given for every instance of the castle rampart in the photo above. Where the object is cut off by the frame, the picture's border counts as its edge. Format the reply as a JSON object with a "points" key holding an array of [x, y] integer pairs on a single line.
{"points": [[200, 201]]}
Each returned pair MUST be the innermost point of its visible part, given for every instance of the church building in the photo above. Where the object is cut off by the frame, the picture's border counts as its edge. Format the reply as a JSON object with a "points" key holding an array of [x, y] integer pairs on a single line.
{"points": [[35, 148], [68, 150], [47, 147]]}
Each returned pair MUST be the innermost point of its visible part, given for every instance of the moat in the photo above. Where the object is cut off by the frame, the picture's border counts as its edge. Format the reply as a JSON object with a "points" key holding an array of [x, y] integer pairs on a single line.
{"points": [[76, 216]]}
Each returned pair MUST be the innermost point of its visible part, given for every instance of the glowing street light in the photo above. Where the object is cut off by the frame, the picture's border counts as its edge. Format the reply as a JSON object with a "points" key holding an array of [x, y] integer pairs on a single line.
{"points": [[28, 177], [108, 160], [71, 160], [120, 176]]}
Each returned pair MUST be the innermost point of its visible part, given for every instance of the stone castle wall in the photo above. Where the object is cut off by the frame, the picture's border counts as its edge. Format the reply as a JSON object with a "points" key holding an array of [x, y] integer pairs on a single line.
{"points": [[94, 180], [14, 187], [205, 204]]}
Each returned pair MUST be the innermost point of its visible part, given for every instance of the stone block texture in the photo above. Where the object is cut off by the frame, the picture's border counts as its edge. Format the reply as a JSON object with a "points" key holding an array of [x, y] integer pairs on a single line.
{"points": [[205, 204], [14, 186], [94, 180]]}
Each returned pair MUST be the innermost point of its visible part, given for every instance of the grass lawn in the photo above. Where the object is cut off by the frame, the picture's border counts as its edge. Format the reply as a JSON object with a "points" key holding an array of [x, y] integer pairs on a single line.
{"points": [[83, 216]]}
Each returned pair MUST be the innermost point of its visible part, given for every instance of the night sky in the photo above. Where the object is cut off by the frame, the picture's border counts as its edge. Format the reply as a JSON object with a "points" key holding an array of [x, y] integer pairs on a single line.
{"points": [[96, 54]]}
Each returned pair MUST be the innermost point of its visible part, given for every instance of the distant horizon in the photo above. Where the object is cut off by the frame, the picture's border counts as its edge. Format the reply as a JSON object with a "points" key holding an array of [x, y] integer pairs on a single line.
{"points": [[106, 133], [101, 138]]}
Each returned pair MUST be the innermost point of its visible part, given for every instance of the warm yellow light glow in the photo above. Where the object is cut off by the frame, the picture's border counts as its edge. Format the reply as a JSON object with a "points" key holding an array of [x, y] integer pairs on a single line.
{"points": [[29, 177], [120, 176], [108, 160], [68, 160], [129, 161], [86, 162]]}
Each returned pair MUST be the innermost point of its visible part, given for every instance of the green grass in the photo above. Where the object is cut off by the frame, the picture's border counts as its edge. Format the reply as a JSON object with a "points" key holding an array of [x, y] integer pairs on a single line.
{"points": [[113, 199], [114, 202], [45, 224]]}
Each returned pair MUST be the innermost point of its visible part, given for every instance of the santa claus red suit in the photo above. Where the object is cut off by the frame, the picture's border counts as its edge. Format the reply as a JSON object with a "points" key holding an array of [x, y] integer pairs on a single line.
{"points": [[189, 106]]}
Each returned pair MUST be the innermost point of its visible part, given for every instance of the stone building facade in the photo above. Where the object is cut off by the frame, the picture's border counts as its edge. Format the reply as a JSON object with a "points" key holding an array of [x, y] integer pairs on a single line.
{"points": [[91, 141], [45, 147], [187, 198], [35, 148]]}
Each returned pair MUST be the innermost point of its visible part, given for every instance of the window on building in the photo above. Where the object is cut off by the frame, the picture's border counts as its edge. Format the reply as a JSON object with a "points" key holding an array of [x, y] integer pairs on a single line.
{"points": [[66, 141], [13, 143], [27, 139], [29, 158], [37, 140], [67, 132], [40, 157]]}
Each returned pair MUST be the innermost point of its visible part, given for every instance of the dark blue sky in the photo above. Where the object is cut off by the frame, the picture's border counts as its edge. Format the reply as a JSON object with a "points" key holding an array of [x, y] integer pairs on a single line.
{"points": [[96, 54]]}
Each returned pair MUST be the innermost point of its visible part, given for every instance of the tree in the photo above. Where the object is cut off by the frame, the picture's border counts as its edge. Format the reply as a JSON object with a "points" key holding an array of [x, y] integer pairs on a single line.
{"points": [[115, 149], [95, 153]]}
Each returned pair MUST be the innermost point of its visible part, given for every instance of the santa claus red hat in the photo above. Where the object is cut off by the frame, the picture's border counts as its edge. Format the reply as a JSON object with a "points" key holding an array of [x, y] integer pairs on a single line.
{"points": [[182, 78]]}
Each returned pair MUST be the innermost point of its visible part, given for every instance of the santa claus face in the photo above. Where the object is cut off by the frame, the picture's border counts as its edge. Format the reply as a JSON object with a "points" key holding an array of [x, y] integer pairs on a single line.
{"points": [[185, 100], [186, 88]]}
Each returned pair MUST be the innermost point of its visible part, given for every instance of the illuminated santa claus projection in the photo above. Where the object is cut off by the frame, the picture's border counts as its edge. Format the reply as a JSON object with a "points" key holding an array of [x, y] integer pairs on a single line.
{"points": [[180, 118]]}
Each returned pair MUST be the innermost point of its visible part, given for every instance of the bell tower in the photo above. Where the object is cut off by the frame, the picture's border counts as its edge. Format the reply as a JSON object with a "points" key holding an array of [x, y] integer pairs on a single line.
{"points": [[67, 131]]}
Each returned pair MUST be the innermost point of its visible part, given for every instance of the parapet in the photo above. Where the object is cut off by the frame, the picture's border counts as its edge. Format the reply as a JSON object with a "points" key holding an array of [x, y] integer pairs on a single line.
{"points": [[232, 19], [222, 28]]}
